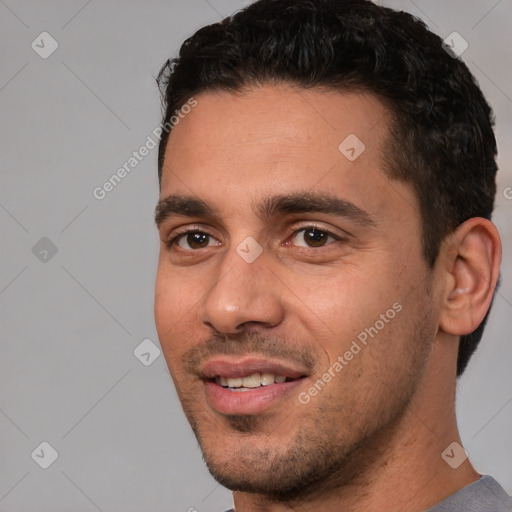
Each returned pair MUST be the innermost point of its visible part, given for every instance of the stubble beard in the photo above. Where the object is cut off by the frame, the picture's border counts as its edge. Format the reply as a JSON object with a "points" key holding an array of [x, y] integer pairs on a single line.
{"points": [[315, 462], [326, 453]]}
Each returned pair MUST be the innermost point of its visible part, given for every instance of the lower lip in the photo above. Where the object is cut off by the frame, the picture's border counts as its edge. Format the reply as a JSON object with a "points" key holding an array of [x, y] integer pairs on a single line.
{"points": [[253, 401]]}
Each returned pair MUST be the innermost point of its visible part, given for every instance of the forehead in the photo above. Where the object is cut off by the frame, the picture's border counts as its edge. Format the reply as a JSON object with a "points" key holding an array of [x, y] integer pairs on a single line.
{"points": [[238, 147], [284, 119]]}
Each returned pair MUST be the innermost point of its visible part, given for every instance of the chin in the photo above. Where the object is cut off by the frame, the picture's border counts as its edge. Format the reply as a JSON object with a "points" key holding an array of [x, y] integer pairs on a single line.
{"points": [[262, 480], [267, 465]]}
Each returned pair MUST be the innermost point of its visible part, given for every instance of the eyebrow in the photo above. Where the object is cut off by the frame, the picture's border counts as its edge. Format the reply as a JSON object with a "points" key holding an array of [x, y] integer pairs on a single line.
{"points": [[270, 207]]}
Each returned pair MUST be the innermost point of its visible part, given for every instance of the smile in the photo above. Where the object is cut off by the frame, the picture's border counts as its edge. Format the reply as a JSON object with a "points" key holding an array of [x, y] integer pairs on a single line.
{"points": [[252, 381], [249, 385]]}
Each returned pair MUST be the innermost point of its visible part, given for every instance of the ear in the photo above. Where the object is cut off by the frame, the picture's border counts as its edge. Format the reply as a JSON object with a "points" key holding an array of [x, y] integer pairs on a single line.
{"points": [[471, 260]]}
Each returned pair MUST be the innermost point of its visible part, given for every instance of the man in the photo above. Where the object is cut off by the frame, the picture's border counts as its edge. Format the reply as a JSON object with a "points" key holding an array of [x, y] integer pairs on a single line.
{"points": [[327, 177]]}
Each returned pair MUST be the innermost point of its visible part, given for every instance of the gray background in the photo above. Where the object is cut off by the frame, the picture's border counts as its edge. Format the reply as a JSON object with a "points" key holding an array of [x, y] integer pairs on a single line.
{"points": [[70, 323]]}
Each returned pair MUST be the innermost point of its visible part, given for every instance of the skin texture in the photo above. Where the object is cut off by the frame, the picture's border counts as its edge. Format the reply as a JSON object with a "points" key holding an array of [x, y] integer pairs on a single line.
{"points": [[372, 437]]}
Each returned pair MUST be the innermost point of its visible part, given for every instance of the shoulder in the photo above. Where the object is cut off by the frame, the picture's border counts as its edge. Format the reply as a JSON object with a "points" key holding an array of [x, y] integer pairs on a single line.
{"points": [[484, 495]]}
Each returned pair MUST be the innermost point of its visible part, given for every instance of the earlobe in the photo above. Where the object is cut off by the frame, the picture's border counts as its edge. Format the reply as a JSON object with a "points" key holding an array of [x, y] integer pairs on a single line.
{"points": [[474, 260]]}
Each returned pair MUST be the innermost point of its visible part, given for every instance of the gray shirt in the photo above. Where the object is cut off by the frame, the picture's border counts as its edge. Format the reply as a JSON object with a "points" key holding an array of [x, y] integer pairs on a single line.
{"points": [[484, 495]]}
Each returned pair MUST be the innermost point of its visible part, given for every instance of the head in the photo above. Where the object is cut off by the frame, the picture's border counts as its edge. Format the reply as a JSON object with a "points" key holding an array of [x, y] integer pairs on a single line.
{"points": [[336, 163]]}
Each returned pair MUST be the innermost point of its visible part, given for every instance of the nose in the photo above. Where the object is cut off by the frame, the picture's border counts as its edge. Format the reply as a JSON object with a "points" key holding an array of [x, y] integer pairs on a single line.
{"points": [[242, 294]]}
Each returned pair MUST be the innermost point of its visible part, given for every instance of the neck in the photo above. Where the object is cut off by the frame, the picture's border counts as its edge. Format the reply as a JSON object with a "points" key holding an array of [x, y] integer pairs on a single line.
{"points": [[401, 469]]}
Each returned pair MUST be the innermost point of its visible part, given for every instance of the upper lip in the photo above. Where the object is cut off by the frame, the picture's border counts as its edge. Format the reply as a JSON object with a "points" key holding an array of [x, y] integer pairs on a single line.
{"points": [[231, 367]]}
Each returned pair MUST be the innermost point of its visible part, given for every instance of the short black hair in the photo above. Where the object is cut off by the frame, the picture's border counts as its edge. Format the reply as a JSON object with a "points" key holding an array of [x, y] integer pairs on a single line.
{"points": [[442, 141]]}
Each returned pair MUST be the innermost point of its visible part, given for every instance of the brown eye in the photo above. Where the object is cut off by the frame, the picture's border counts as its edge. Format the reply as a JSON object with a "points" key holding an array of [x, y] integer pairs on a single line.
{"points": [[315, 237], [191, 240], [312, 237]]}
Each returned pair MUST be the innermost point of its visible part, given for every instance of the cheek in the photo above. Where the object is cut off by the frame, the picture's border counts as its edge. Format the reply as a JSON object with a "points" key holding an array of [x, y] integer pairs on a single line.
{"points": [[350, 299], [170, 307], [364, 313], [163, 302]]}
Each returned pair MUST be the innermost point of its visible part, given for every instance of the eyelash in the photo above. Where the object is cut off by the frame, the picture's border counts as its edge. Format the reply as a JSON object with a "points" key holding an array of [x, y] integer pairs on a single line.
{"points": [[173, 241]]}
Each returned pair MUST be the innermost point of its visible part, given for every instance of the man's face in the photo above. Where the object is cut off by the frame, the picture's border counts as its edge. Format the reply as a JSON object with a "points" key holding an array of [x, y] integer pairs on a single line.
{"points": [[269, 287]]}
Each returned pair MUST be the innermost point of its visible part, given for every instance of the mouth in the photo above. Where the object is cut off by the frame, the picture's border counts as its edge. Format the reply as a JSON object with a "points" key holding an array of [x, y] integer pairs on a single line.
{"points": [[249, 386], [253, 381]]}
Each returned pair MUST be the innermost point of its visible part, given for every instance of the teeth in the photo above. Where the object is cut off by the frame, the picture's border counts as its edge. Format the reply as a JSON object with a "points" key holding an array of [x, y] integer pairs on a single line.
{"points": [[267, 379], [250, 381], [235, 383]]}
